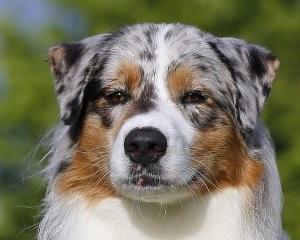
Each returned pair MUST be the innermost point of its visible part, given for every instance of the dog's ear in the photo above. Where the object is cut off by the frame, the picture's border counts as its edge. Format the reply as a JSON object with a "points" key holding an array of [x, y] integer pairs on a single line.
{"points": [[253, 69], [72, 65]]}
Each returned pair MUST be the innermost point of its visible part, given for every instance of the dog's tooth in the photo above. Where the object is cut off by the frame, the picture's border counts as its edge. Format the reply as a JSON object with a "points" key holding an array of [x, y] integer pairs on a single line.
{"points": [[140, 182], [138, 168]]}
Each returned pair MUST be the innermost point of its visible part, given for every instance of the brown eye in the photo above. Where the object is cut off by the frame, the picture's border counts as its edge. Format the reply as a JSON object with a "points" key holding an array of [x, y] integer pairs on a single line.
{"points": [[193, 97], [116, 98]]}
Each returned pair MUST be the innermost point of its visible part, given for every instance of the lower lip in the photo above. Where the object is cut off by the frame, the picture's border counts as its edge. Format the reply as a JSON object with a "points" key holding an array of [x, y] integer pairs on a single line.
{"points": [[144, 181]]}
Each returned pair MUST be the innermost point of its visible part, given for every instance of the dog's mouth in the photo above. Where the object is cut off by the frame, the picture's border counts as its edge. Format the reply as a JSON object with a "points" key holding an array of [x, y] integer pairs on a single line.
{"points": [[148, 181], [151, 177], [146, 177], [151, 184]]}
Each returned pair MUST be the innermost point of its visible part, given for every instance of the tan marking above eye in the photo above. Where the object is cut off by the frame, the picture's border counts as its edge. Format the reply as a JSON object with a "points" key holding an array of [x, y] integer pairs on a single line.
{"points": [[183, 80], [178, 81], [129, 75]]}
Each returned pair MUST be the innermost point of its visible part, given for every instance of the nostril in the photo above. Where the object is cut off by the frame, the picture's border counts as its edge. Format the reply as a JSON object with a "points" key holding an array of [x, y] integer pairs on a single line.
{"points": [[157, 147], [153, 147], [131, 147], [145, 145]]}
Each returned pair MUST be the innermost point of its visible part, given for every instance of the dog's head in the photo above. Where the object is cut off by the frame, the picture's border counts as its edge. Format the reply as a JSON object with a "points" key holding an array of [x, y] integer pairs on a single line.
{"points": [[159, 112]]}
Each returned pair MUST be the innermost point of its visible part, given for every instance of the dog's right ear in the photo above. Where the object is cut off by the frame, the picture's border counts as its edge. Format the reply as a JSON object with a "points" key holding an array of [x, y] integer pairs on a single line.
{"points": [[72, 65]]}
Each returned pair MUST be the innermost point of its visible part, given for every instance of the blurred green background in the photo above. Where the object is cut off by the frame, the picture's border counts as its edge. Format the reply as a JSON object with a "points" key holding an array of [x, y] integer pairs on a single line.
{"points": [[28, 106]]}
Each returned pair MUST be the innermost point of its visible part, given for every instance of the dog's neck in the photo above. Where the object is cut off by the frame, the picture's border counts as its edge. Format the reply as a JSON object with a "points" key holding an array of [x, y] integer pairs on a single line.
{"points": [[216, 216], [213, 217]]}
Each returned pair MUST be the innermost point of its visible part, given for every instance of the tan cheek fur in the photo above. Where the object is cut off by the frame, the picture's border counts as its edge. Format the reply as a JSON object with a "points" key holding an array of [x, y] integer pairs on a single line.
{"points": [[221, 154], [88, 173]]}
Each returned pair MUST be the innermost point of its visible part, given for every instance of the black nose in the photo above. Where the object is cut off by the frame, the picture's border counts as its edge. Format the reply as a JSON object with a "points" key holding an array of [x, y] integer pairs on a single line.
{"points": [[145, 145]]}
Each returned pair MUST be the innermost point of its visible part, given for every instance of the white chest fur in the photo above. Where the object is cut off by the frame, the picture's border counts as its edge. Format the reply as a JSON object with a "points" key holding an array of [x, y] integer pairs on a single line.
{"points": [[214, 217]]}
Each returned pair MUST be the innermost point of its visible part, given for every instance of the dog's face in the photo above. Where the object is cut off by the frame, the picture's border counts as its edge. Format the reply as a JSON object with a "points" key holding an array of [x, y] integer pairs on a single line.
{"points": [[159, 112]]}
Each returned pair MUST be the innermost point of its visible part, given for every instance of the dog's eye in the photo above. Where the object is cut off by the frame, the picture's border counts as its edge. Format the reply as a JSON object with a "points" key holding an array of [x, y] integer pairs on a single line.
{"points": [[193, 97], [116, 97]]}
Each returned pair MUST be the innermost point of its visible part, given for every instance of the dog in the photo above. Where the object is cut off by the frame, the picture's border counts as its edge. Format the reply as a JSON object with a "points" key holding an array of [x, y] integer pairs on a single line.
{"points": [[160, 138]]}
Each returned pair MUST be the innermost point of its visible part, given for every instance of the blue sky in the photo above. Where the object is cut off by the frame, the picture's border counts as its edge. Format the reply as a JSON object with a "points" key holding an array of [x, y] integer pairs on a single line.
{"points": [[26, 12], [32, 15]]}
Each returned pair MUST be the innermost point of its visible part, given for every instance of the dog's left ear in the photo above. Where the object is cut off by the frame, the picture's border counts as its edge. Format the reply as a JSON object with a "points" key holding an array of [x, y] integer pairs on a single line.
{"points": [[72, 65], [253, 69]]}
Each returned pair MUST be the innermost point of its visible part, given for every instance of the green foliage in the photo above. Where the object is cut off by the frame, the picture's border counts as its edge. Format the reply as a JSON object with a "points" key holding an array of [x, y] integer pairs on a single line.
{"points": [[28, 105]]}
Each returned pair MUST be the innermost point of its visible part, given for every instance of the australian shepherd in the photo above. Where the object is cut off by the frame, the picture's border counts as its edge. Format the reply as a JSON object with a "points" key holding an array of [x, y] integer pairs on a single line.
{"points": [[160, 138]]}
